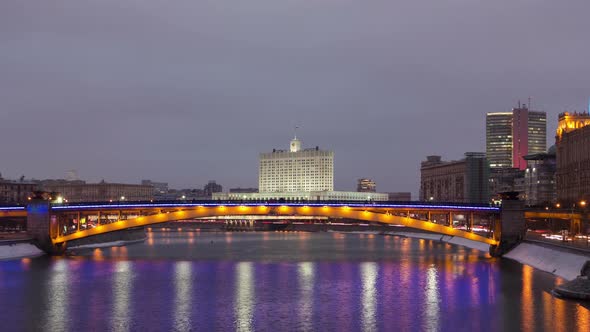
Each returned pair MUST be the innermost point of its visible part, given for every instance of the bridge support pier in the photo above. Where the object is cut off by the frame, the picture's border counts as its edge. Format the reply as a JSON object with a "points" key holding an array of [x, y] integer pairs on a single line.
{"points": [[510, 229], [41, 227], [576, 226]]}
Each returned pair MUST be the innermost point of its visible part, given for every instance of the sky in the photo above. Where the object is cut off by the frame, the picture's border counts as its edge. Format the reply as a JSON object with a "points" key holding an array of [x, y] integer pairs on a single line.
{"points": [[188, 91]]}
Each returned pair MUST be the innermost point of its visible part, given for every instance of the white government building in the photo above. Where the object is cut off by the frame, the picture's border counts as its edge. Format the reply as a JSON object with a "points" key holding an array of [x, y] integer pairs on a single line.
{"points": [[298, 174]]}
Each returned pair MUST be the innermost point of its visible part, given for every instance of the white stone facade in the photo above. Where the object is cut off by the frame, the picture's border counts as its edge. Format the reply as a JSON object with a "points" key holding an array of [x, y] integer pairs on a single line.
{"points": [[305, 195], [296, 170]]}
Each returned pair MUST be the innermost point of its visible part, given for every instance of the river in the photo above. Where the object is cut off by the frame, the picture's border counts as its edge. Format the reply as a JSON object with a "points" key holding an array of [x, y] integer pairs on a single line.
{"points": [[180, 281]]}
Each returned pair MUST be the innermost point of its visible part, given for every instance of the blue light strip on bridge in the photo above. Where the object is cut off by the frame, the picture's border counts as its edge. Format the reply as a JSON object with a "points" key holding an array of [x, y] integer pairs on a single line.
{"points": [[12, 208], [351, 205]]}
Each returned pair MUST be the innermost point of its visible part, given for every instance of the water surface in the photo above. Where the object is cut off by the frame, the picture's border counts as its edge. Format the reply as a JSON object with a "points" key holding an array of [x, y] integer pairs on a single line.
{"points": [[179, 281]]}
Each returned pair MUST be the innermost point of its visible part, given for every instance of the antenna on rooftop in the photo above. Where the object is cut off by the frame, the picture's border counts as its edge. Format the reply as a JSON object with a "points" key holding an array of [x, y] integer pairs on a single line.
{"points": [[296, 127], [530, 107]]}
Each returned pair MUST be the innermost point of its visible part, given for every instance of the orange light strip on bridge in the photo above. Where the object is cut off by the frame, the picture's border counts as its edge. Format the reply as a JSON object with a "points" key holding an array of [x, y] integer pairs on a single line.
{"points": [[552, 215]]}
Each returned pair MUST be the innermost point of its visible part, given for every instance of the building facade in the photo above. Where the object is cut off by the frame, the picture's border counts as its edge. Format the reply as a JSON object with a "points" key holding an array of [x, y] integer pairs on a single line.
{"points": [[305, 196], [296, 170], [400, 196], [366, 186], [570, 121], [462, 181], [80, 191], [160, 188], [212, 187], [539, 178], [573, 157], [16, 192], [505, 180], [512, 135], [243, 190]]}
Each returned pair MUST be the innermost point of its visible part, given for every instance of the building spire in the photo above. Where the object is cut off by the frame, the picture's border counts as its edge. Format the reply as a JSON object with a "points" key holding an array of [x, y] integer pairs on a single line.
{"points": [[295, 143]]}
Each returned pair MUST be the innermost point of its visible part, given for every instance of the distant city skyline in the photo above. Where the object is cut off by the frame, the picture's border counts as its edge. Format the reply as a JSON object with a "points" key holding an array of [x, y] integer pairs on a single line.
{"points": [[193, 91]]}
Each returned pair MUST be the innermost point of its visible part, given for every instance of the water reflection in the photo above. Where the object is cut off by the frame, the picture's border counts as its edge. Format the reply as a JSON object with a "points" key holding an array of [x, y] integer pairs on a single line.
{"points": [[281, 288], [432, 301], [528, 319], [306, 274], [244, 299], [122, 285], [183, 291], [369, 272], [57, 297]]}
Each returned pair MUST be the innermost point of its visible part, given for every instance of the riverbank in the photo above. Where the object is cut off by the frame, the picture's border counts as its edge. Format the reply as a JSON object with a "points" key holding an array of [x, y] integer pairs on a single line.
{"points": [[560, 261], [443, 238], [18, 249]]}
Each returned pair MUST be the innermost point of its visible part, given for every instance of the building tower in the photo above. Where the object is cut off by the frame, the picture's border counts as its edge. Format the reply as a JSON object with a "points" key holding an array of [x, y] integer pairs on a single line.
{"points": [[573, 157], [512, 135], [499, 139]]}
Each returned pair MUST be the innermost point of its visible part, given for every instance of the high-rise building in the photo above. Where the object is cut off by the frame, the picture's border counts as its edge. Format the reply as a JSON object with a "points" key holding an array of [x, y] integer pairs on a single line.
{"points": [[499, 139], [366, 186], [512, 135], [462, 181], [296, 170]]}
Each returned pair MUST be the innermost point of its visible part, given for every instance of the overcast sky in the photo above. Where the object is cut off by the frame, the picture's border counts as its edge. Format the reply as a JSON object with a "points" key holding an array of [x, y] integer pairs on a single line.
{"points": [[187, 91]]}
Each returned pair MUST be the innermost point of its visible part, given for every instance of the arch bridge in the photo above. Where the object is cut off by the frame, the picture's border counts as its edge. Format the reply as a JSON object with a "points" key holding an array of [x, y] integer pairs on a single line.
{"points": [[52, 226]]}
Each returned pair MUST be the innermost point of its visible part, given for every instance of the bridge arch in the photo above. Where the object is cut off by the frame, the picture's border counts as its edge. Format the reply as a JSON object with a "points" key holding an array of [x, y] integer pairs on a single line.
{"points": [[380, 216]]}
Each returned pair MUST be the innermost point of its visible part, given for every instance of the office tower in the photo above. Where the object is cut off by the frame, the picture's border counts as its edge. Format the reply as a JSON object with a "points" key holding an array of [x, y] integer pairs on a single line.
{"points": [[512, 135]]}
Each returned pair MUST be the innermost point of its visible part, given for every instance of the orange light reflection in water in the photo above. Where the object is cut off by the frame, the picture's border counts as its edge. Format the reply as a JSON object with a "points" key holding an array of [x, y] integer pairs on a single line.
{"points": [[150, 239], [25, 262], [123, 252], [559, 313], [97, 254], [527, 313], [547, 311], [582, 316]]}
